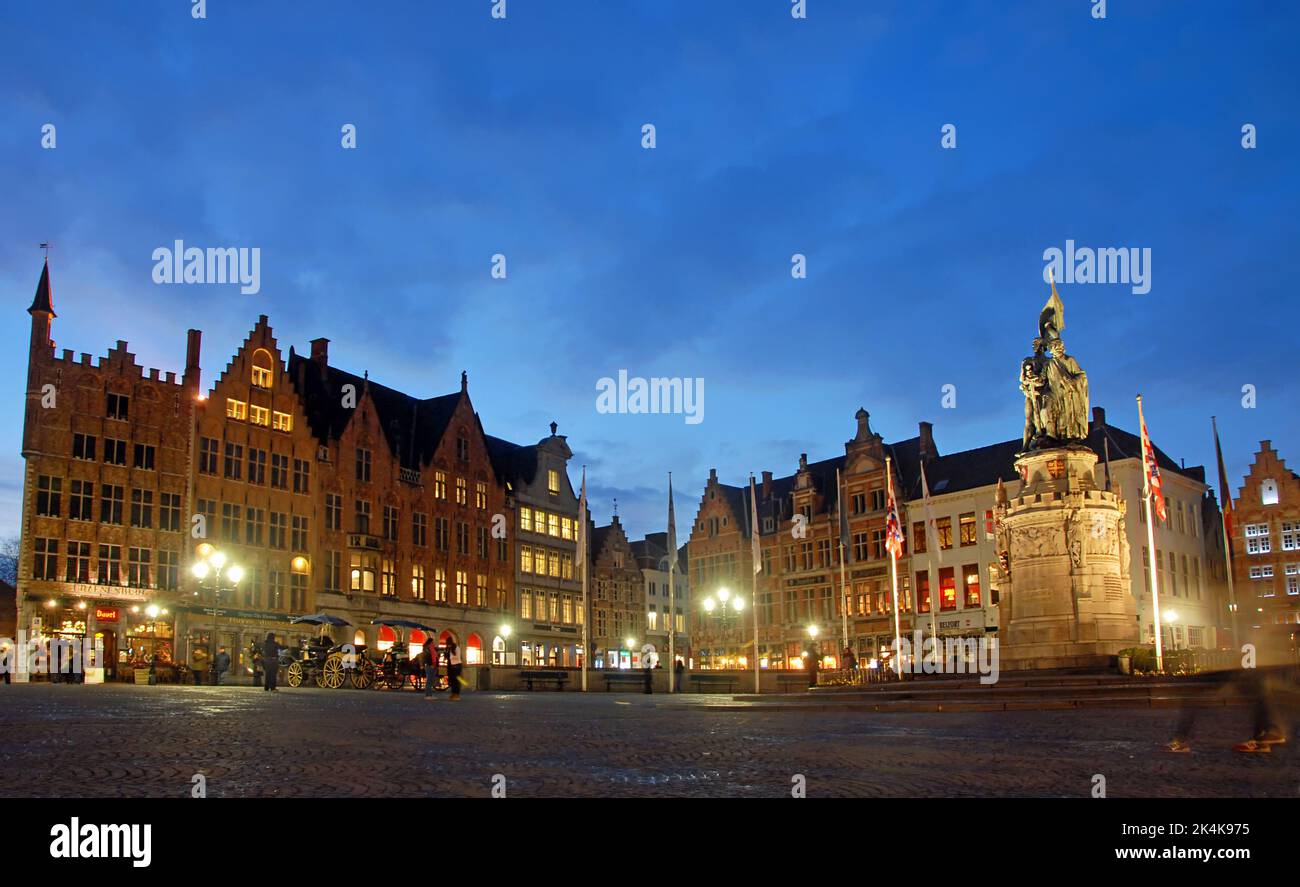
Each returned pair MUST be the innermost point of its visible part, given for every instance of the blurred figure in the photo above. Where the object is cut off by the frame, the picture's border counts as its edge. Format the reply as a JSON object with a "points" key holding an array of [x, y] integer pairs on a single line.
{"points": [[1268, 662]]}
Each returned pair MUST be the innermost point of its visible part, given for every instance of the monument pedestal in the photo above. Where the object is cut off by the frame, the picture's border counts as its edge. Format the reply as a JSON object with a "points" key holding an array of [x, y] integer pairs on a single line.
{"points": [[1063, 584]]}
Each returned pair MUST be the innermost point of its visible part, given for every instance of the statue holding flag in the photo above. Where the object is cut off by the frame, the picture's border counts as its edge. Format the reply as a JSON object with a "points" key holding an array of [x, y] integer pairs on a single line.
{"points": [[1054, 385]]}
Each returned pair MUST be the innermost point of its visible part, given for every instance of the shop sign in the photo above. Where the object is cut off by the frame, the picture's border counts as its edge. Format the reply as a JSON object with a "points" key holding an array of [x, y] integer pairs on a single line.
{"points": [[107, 614]]}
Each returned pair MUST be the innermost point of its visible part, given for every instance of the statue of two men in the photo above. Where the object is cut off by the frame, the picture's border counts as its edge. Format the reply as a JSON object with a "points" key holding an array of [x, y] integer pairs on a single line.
{"points": [[1054, 385]]}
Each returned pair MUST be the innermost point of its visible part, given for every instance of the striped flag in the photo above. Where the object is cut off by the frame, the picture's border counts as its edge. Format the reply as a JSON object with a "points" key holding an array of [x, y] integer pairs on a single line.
{"points": [[1151, 470], [893, 527]]}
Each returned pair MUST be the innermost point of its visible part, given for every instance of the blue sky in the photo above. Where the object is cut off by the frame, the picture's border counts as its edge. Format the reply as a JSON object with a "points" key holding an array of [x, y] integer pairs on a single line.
{"points": [[775, 136]]}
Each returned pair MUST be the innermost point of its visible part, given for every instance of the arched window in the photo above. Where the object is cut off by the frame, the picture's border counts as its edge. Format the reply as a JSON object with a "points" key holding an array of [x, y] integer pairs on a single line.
{"points": [[262, 372], [474, 650], [359, 639], [387, 637], [415, 643], [1268, 492]]}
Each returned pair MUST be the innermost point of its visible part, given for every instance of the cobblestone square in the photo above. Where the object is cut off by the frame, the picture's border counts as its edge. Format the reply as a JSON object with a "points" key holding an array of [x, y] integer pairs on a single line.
{"points": [[137, 741]]}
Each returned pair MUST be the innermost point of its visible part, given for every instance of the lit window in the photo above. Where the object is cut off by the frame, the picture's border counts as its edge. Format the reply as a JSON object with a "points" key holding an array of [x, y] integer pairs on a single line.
{"points": [[526, 519], [283, 422], [553, 482], [236, 409], [259, 415], [261, 377]]}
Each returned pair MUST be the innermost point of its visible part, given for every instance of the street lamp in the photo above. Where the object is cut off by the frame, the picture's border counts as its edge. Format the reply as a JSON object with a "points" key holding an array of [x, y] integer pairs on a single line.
{"points": [[725, 606], [212, 571], [1170, 616]]}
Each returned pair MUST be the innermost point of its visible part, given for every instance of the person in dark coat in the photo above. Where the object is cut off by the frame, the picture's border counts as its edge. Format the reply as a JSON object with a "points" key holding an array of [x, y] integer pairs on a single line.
{"points": [[814, 663], [430, 666], [679, 668], [270, 660], [453, 669], [257, 664], [220, 665]]}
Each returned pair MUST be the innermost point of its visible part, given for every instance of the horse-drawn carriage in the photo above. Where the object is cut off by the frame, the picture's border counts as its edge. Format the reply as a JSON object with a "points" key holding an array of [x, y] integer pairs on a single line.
{"points": [[327, 663], [396, 668]]}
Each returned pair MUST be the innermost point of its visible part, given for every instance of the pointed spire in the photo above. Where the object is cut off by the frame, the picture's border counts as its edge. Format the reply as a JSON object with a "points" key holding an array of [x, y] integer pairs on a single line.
{"points": [[464, 381], [43, 301]]}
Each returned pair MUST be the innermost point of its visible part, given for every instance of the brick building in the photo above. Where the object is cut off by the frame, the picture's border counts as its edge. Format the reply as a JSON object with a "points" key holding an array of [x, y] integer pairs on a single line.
{"points": [[617, 593], [1266, 542], [800, 593], [332, 493]]}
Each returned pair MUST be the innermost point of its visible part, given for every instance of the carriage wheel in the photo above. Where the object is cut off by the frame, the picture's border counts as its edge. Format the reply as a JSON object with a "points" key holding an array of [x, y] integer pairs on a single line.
{"points": [[363, 676], [394, 679], [332, 673], [295, 674]]}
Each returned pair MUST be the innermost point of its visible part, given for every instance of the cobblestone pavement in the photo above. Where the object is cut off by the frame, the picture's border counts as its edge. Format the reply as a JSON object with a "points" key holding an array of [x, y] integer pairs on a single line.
{"points": [[124, 740]]}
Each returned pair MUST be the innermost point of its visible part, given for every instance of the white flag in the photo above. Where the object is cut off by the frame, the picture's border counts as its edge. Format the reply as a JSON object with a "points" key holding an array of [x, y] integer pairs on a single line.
{"points": [[672, 528], [753, 529]]}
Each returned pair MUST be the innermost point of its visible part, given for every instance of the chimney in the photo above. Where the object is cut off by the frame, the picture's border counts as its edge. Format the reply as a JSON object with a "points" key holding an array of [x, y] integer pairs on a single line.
{"points": [[1098, 417], [927, 441], [193, 345], [713, 475], [320, 354], [767, 484]]}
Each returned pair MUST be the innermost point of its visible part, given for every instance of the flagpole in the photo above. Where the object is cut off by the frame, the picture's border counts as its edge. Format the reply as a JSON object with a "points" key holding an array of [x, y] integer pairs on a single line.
{"points": [[893, 574], [1224, 510], [672, 591], [1151, 542], [757, 565], [929, 573], [586, 612], [844, 588]]}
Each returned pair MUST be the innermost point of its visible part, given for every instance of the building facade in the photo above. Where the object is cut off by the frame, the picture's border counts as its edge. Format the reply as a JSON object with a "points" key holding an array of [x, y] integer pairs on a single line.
{"points": [[618, 606], [549, 610], [332, 493], [801, 590], [664, 615], [1266, 542]]}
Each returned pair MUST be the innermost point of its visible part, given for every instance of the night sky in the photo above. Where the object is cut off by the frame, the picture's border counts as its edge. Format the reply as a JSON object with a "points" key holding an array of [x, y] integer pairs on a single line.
{"points": [[523, 137]]}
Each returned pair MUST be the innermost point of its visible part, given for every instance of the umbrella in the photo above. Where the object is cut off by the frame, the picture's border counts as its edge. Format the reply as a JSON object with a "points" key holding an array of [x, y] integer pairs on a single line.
{"points": [[402, 623], [320, 619]]}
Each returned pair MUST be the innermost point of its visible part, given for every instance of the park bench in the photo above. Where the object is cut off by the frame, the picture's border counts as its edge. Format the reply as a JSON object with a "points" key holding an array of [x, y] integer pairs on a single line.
{"points": [[531, 677], [788, 683], [631, 679], [715, 681]]}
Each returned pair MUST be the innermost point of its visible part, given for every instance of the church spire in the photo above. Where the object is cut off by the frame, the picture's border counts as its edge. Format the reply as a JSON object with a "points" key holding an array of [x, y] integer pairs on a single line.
{"points": [[43, 301]]}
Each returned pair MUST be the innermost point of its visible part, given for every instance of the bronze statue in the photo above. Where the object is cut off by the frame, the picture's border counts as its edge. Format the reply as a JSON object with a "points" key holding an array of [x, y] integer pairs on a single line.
{"points": [[1054, 385]]}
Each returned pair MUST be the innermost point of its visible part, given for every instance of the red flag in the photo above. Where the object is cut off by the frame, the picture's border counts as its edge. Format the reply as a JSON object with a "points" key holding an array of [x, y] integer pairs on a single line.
{"points": [[1152, 470], [893, 527]]}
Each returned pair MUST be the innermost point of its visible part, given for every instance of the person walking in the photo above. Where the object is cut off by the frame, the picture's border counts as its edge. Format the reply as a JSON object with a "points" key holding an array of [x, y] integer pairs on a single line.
{"points": [[220, 665], [7, 660], [257, 664], [1270, 662], [814, 662], [430, 666], [453, 669], [270, 660], [679, 668]]}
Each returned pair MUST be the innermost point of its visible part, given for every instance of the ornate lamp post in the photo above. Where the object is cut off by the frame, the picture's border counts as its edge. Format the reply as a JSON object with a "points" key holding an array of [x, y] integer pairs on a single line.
{"points": [[724, 606], [213, 572]]}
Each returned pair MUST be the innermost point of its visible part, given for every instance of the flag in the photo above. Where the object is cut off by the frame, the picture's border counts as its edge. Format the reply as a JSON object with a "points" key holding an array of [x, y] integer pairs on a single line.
{"points": [[754, 547], [1151, 469], [672, 528], [929, 518], [893, 527], [1225, 494]]}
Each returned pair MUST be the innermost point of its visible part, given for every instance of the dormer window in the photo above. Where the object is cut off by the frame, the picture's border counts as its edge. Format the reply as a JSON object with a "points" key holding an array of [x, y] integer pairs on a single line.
{"points": [[462, 447], [553, 482], [261, 377]]}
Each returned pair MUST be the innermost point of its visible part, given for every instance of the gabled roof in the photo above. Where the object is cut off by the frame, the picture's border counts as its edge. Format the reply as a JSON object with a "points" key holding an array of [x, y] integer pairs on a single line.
{"points": [[512, 461], [966, 470], [413, 427]]}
